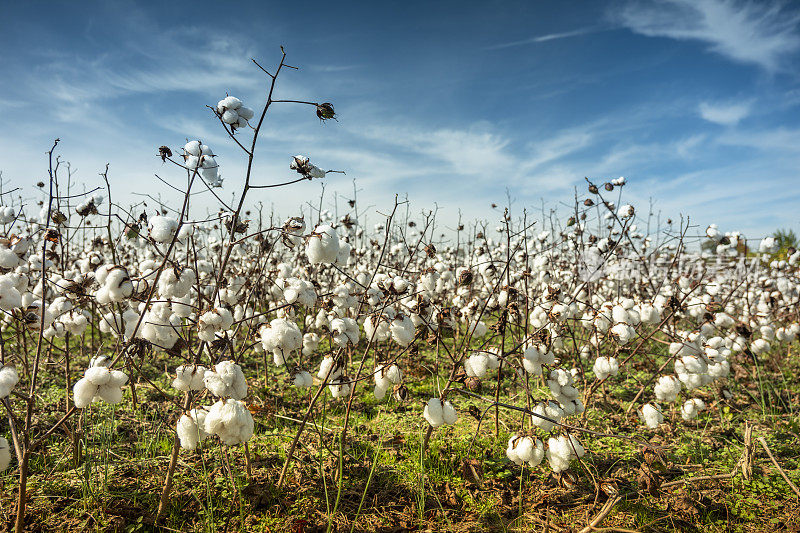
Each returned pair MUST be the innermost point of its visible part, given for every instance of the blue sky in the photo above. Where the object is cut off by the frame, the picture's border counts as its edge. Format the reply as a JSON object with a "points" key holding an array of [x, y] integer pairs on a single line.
{"points": [[696, 102]]}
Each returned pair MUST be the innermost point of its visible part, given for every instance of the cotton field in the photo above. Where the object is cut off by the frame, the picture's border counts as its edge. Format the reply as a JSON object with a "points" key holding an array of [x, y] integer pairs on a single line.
{"points": [[292, 366]]}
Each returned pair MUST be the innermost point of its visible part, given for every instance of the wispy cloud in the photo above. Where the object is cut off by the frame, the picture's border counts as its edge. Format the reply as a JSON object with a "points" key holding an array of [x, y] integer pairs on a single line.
{"points": [[758, 33], [725, 113], [547, 37]]}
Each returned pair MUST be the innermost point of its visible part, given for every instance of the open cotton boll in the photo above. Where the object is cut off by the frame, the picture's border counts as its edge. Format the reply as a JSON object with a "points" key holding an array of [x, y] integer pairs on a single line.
{"points": [[8, 380], [191, 428], [281, 338], [189, 378], [623, 333], [162, 229], [212, 322], [345, 331], [329, 369], [310, 343], [83, 392], [402, 329], [511, 450], [231, 421], [692, 408], [605, 367], [323, 245], [433, 412], [559, 453], [550, 410], [340, 387], [449, 413], [651, 415], [98, 375], [477, 365], [226, 381], [5, 454], [303, 380], [667, 389]]}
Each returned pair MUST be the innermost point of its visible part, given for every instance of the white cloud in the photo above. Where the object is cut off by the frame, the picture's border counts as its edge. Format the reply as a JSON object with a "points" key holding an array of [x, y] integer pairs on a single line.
{"points": [[759, 33], [545, 38], [726, 114]]}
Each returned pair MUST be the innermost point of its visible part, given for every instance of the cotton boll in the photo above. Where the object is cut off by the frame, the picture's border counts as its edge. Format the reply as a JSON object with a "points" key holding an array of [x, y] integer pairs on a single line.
{"points": [[476, 365], [340, 387], [281, 338], [98, 375], [449, 413], [511, 451], [191, 428], [667, 389], [8, 380], [605, 367], [109, 394], [162, 229], [303, 380], [83, 392], [231, 421], [5, 454], [329, 369], [189, 378], [692, 408], [323, 245], [537, 454], [651, 415], [402, 329], [433, 412], [226, 381], [559, 453]]}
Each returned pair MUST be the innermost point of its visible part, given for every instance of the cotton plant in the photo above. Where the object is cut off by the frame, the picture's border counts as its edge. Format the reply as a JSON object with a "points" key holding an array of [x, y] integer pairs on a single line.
{"points": [[281, 337]]}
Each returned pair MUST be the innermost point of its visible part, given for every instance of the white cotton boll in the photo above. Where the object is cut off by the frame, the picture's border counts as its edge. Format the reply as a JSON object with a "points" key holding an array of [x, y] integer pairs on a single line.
{"points": [[605, 367], [623, 333], [402, 329], [626, 211], [245, 113], [449, 413], [379, 392], [8, 380], [477, 365], [231, 421], [83, 392], [98, 375], [692, 408], [340, 388], [192, 148], [433, 412], [323, 245], [5, 454], [191, 428], [281, 338], [559, 453], [667, 389], [230, 117], [310, 343], [343, 255], [328, 369], [230, 102], [303, 380], [651, 415], [524, 449], [576, 447], [226, 381], [511, 451], [109, 394], [162, 229], [537, 453], [189, 378], [345, 331]]}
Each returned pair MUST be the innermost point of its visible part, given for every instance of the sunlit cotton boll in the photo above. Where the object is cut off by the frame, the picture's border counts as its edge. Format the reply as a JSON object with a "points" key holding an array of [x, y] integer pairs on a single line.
{"points": [[651, 415], [323, 245], [667, 389], [303, 380], [605, 367], [439, 413], [692, 408], [281, 337], [162, 229], [8, 380], [226, 381], [5, 454], [477, 365], [189, 378], [231, 421], [191, 428]]}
